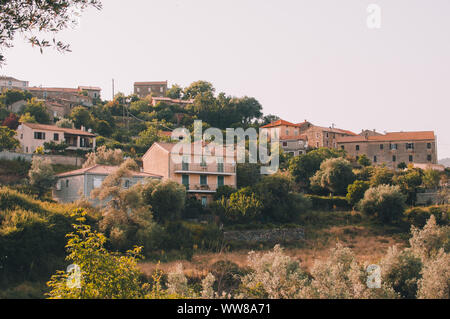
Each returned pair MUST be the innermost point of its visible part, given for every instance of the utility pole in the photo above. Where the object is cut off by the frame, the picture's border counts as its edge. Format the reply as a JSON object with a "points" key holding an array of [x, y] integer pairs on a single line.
{"points": [[112, 89]]}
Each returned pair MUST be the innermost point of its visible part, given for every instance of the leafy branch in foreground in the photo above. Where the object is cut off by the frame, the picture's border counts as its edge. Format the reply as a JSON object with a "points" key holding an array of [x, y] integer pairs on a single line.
{"points": [[29, 16]]}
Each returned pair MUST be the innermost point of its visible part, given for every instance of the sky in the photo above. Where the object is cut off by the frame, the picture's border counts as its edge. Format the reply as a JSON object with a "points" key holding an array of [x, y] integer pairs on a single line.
{"points": [[316, 60]]}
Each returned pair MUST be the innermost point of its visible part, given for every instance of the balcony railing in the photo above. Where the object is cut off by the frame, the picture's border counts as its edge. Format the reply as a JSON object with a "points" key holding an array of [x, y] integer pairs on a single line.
{"points": [[202, 187], [208, 168]]}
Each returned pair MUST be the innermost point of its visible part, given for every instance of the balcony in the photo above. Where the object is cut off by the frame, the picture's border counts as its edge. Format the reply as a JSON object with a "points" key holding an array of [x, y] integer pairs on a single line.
{"points": [[201, 188], [211, 169]]}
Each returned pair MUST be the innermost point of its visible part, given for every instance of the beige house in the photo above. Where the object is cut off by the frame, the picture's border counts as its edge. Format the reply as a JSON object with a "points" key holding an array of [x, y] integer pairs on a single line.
{"points": [[319, 136], [200, 174], [143, 89], [10, 83], [33, 135], [392, 148], [77, 184], [292, 139]]}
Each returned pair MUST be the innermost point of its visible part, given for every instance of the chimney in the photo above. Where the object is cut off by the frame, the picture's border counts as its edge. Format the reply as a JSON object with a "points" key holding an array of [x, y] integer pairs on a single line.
{"points": [[83, 128]]}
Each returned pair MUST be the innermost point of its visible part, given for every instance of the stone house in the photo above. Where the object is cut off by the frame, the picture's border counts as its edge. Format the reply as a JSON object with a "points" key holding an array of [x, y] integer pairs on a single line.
{"points": [[201, 174], [77, 184], [157, 88], [292, 139], [392, 148], [10, 83], [319, 136], [33, 135]]}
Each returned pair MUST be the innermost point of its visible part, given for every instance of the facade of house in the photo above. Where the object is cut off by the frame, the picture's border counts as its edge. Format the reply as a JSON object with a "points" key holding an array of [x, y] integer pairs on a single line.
{"points": [[70, 97], [10, 83], [144, 89], [200, 177], [393, 148], [77, 184], [319, 136], [92, 91], [32, 136], [292, 139]]}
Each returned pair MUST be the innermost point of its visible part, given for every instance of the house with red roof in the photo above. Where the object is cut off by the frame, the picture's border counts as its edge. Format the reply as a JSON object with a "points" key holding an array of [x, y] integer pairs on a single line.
{"points": [[392, 148], [33, 135]]}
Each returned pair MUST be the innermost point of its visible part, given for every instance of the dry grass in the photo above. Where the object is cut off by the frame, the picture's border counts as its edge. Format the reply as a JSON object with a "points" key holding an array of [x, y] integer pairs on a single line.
{"points": [[367, 245]]}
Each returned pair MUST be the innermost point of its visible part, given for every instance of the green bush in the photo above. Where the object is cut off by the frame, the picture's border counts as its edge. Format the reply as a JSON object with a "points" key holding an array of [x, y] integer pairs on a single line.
{"points": [[329, 202], [385, 202], [355, 191], [418, 216]]}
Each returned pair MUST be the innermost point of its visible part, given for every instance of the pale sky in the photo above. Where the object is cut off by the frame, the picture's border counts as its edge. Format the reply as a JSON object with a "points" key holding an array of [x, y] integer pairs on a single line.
{"points": [[314, 60]]}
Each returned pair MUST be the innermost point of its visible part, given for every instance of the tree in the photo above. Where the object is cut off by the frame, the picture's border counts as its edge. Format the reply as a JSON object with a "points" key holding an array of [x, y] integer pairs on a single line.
{"points": [[431, 178], [381, 176], [198, 88], [42, 176], [28, 17], [101, 274], [166, 198], [356, 191], [27, 118], [335, 175], [248, 109], [364, 161], [304, 166], [103, 128], [385, 202], [175, 92], [409, 181], [7, 139], [104, 156], [12, 121], [402, 165], [65, 123], [248, 174], [267, 119], [81, 117], [11, 96], [148, 137], [54, 147], [37, 110]]}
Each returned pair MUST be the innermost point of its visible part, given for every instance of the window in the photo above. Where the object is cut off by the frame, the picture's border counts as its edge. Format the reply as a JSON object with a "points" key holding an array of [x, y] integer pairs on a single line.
{"points": [[357, 147], [342, 147], [220, 181], [203, 163], [429, 158], [39, 136], [203, 180], [284, 144], [56, 137], [67, 183], [161, 89], [409, 146], [381, 146], [127, 184], [97, 182], [185, 181], [393, 146], [45, 95], [287, 132], [204, 201], [394, 158], [138, 90], [185, 164], [149, 89], [9, 83], [220, 167], [410, 158], [429, 146], [374, 159], [21, 136]]}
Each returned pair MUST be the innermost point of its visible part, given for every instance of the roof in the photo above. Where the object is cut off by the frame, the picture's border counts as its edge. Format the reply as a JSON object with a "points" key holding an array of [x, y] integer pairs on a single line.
{"points": [[169, 146], [151, 83], [335, 130], [89, 88], [390, 137], [54, 128], [69, 90], [103, 170], [279, 123], [294, 138], [168, 99], [10, 78]]}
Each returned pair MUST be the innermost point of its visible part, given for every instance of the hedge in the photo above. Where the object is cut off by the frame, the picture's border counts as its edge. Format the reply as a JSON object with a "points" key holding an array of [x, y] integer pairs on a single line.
{"points": [[418, 216], [329, 202]]}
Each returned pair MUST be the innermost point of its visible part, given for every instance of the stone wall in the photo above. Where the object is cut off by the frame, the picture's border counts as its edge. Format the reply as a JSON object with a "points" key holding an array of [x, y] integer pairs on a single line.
{"points": [[275, 235]]}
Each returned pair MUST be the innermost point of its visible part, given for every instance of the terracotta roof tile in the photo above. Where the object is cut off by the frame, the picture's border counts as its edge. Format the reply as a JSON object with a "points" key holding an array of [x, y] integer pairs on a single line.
{"points": [[391, 136], [45, 127], [279, 123], [102, 170]]}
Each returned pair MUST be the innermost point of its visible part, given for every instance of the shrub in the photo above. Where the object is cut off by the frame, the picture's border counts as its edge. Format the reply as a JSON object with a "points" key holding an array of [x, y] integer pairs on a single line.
{"points": [[381, 176], [355, 192], [386, 202], [328, 202], [418, 216], [335, 175], [224, 191]]}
